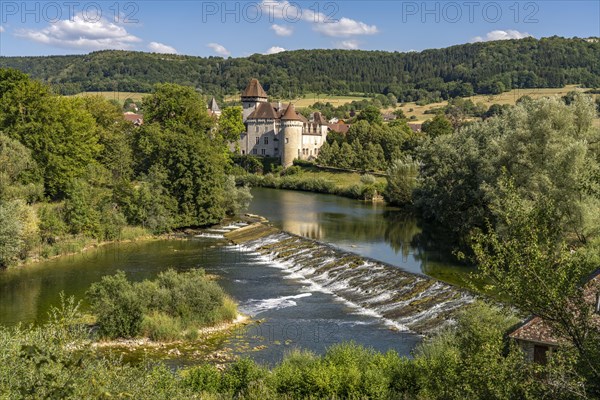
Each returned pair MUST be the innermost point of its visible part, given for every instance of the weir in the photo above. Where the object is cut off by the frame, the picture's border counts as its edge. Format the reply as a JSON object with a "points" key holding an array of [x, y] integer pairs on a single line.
{"points": [[403, 300]]}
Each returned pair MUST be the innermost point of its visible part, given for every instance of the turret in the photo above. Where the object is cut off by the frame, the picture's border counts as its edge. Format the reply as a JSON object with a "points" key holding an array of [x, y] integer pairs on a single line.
{"points": [[252, 96], [292, 126]]}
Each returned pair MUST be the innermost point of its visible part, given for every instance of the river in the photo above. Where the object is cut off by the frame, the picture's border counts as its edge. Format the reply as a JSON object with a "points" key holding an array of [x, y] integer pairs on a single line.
{"points": [[292, 313]]}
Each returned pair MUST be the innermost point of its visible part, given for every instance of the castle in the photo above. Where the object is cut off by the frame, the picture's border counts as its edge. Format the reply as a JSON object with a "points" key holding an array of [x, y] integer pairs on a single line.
{"points": [[275, 131]]}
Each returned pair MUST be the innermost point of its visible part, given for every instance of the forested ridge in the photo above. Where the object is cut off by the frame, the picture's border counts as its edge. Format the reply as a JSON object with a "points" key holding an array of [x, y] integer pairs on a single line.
{"points": [[490, 67]]}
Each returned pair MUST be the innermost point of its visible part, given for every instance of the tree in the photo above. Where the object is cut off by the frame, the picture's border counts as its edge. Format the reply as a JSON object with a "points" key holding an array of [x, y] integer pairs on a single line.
{"points": [[230, 124], [528, 261], [19, 174], [401, 182], [438, 126], [370, 114], [58, 130], [173, 105]]}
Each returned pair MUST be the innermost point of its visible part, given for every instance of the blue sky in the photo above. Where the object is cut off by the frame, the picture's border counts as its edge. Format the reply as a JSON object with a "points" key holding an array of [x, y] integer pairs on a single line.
{"points": [[242, 28]]}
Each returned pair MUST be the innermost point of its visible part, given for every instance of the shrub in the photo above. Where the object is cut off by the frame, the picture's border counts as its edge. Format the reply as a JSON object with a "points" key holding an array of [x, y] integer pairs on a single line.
{"points": [[117, 307], [160, 327], [240, 375], [203, 378], [161, 308], [292, 170]]}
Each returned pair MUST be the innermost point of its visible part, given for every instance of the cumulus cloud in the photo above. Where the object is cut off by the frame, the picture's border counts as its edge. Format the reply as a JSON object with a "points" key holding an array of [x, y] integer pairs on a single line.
{"points": [[345, 27], [219, 49], [501, 35], [281, 30], [328, 25], [157, 47], [348, 44], [274, 50], [82, 34]]}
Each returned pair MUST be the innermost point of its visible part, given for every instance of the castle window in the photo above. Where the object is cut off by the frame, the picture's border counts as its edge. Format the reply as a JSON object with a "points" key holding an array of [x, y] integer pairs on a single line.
{"points": [[287, 140], [256, 127], [243, 152], [266, 140], [254, 151], [263, 151], [257, 140]]}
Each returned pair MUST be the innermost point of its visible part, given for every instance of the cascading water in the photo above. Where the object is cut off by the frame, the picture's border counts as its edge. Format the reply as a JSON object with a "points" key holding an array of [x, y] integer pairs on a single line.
{"points": [[403, 300]]}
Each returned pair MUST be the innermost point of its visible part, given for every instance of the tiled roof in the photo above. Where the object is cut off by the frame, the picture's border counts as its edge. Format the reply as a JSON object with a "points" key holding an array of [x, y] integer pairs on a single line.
{"points": [[536, 329], [291, 115], [254, 89], [264, 111], [340, 128]]}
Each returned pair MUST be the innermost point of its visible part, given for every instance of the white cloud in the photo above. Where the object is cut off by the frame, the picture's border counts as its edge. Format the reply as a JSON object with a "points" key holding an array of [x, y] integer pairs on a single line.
{"points": [[157, 47], [1, 29], [348, 44], [345, 27], [501, 35], [274, 50], [82, 34], [324, 24], [282, 30], [219, 49]]}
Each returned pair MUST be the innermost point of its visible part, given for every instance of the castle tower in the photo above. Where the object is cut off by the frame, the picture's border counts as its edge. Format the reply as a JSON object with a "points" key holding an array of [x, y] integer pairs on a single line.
{"points": [[291, 125], [252, 96]]}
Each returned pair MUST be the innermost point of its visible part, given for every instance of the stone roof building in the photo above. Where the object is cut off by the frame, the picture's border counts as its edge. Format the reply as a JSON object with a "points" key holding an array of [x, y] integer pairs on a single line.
{"points": [[273, 130], [537, 338]]}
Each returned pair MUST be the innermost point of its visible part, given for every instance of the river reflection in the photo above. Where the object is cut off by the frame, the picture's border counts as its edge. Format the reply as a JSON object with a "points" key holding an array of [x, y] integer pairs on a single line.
{"points": [[372, 230]]}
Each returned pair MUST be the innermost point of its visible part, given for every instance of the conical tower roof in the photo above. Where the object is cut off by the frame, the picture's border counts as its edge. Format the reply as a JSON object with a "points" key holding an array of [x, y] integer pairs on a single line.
{"points": [[254, 89], [290, 114], [213, 106]]}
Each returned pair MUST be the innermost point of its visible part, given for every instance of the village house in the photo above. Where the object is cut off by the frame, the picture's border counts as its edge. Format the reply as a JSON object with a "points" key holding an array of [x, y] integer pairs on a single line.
{"points": [[537, 339], [275, 130]]}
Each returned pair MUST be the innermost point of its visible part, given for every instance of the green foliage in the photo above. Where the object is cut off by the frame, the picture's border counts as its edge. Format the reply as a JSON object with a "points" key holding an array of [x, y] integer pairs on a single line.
{"points": [[370, 114], [527, 260], [544, 146], [19, 175], [401, 182], [490, 67], [173, 106], [231, 124], [117, 307], [159, 308], [238, 198], [438, 126], [11, 242]]}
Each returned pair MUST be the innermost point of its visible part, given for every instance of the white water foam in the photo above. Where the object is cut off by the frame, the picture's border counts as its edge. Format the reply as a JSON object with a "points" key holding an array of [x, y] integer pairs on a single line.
{"points": [[210, 235], [254, 307]]}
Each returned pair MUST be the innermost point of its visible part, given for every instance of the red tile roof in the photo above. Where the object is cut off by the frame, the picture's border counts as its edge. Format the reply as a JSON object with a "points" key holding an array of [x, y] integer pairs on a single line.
{"points": [[254, 89]]}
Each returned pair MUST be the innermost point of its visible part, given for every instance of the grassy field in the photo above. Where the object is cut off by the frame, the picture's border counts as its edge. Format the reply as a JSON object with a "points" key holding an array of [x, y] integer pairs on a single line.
{"points": [[119, 96], [511, 97], [312, 98]]}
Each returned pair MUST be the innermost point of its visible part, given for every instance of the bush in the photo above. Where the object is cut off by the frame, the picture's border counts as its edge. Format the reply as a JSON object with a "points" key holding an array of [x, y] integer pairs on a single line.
{"points": [[204, 378], [160, 327], [162, 308], [292, 170], [118, 309]]}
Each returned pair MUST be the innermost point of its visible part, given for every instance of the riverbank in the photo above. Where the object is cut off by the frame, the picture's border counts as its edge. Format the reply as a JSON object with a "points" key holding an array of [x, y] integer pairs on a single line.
{"points": [[210, 345], [77, 244], [326, 181]]}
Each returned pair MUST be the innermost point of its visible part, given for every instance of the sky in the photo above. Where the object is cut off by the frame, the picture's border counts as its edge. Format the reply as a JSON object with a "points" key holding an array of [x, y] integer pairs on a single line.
{"points": [[243, 28]]}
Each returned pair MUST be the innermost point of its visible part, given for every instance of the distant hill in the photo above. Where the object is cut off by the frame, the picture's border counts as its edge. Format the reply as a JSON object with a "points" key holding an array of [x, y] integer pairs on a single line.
{"points": [[483, 68]]}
